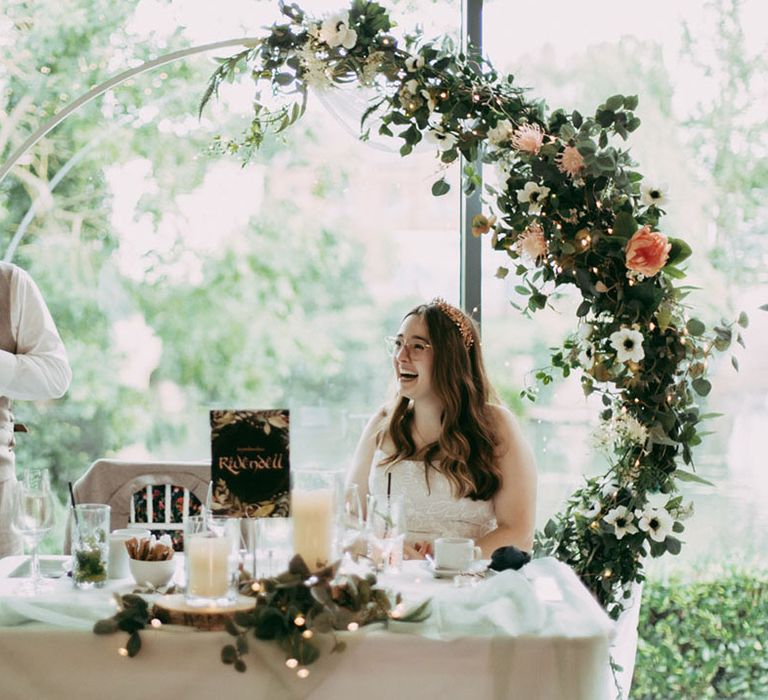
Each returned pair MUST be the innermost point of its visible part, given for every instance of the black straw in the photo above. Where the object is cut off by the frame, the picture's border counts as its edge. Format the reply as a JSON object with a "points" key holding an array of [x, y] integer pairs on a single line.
{"points": [[389, 484], [72, 499]]}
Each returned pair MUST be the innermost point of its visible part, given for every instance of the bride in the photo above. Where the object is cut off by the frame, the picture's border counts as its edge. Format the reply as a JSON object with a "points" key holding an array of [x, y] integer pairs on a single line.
{"points": [[459, 460]]}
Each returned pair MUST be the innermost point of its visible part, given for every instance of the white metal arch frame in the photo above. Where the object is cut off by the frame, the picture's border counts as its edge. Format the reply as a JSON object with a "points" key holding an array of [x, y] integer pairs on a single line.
{"points": [[471, 33], [100, 89]]}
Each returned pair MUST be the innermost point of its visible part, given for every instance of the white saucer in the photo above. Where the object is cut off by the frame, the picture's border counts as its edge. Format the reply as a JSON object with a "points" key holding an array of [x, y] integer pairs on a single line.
{"points": [[475, 567]]}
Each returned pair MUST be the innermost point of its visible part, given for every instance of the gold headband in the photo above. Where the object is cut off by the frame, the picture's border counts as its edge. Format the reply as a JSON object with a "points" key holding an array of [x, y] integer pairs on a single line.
{"points": [[459, 319]]}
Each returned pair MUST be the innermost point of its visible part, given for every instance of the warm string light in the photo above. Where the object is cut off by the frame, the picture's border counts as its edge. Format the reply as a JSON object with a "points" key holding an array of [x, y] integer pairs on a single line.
{"points": [[291, 663], [157, 624], [302, 672], [299, 620]]}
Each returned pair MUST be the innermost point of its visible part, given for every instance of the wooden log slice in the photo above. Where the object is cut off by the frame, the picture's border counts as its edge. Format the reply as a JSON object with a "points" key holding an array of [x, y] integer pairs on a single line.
{"points": [[173, 610]]}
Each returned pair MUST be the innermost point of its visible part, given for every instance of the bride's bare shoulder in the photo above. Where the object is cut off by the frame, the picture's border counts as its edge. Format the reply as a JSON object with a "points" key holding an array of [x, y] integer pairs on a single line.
{"points": [[505, 426]]}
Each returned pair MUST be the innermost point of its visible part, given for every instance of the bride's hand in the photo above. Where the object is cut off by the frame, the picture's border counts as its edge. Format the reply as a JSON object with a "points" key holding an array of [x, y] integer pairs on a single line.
{"points": [[417, 550]]}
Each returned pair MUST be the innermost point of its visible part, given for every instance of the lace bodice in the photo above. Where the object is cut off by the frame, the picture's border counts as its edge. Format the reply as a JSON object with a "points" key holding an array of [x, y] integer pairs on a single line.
{"points": [[431, 512]]}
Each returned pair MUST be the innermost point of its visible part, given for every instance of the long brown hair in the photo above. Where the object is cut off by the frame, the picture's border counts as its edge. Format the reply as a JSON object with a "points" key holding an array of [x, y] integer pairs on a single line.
{"points": [[464, 452]]}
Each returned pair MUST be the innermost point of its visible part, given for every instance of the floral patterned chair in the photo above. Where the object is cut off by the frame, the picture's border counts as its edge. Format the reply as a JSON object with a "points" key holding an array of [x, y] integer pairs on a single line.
{"points": [[162, 509], [157, 496]]}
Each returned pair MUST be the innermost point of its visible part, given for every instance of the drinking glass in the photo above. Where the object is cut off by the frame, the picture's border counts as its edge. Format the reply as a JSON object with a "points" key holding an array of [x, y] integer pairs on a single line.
{"points": [[211, 547], [351, 523], [33, 516], [386, 531], [90, 544]]}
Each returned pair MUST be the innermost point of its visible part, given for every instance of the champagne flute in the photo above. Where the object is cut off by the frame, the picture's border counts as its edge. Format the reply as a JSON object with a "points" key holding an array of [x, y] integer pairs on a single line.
{"points": [[33, 515]]}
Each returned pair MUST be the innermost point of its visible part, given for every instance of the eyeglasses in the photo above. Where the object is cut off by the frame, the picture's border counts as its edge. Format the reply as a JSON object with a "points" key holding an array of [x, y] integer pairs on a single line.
{"points": [[416, 348]]}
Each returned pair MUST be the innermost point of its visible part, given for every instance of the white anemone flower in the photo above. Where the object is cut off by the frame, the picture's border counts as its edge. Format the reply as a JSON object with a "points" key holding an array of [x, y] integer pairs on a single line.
{"points": [[335, 31], [653, 194], [587, 356], [592, 510], [413, 63], [621, 519], [628, 344], [657, 523], [445, 140], [534, 194], [501, 133]]}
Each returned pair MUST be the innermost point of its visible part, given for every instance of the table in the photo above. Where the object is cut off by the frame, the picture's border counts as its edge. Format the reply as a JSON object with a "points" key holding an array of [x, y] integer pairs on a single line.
{"points": [[561, 650]]}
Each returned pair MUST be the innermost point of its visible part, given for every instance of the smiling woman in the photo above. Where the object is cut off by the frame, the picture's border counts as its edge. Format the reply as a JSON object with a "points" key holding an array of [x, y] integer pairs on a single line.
{"points": [[457, 458]]}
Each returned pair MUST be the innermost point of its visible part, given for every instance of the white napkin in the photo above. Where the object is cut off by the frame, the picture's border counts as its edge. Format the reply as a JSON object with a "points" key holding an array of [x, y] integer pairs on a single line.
{"points": [[61, 607], [505, 604]]}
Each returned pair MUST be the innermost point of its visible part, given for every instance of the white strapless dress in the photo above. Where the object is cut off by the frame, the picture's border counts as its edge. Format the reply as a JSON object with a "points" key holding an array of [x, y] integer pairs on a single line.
{"points": [[431, 511]]}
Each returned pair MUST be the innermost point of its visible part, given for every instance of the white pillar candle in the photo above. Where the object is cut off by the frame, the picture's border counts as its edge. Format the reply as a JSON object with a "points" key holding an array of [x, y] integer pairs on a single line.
{"points": [[312, 513], [208, 566]]}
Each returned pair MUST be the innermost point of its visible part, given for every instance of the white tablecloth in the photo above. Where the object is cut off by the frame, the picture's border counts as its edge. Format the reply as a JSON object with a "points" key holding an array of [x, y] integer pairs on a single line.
{"points": [[480, 642]]}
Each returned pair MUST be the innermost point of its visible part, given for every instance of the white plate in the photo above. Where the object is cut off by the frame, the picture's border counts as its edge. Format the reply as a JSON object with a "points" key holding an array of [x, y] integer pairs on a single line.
{"points": [[476, 567]]}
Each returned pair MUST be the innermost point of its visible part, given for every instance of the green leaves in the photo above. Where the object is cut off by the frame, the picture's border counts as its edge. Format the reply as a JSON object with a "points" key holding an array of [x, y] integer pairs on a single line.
{"points": [[690, 477], [132, 616], [695, 327], [701, 386], [440, 188], [624, 225], [680, 251], [703, 636]]}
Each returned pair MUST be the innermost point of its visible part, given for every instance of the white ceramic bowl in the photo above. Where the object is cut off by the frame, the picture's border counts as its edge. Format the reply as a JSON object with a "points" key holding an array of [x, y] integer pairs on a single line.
{"points": [[154, 573]]}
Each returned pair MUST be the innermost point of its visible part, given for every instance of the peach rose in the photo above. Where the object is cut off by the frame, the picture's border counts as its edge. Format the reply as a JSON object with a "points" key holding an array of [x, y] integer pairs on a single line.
{"points": [[647, 251], [532, 243]]}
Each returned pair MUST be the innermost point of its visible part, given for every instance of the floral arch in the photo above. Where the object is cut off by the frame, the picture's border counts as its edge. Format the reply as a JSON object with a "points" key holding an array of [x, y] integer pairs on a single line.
{"points": [[572, 210]]}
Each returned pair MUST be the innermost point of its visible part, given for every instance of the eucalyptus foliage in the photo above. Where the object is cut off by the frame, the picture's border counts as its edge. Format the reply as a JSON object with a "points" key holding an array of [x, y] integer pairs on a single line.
{"points": [[570, 183]]}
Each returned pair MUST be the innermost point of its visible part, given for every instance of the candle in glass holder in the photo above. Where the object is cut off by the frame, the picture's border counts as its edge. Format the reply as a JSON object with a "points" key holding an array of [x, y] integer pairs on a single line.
{"points": [[312, 513], [208, 566], [210, 550]]}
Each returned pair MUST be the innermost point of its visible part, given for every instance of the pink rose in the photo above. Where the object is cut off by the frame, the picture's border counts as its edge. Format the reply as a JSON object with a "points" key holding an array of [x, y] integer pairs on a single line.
{"points": [[647, 251]]}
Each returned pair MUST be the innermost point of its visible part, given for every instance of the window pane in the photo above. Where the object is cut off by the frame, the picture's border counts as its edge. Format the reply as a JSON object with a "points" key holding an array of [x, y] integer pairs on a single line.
{"points": [[189, 282], [687, 139]]}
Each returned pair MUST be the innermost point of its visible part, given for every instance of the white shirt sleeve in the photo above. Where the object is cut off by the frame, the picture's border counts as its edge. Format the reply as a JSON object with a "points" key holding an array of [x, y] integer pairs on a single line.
{"points": [[39, 369]]}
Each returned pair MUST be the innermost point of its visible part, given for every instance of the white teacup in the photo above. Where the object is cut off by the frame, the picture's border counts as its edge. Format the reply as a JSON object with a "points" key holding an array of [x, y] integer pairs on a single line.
{"points": [[455, 553], [118, 554]]}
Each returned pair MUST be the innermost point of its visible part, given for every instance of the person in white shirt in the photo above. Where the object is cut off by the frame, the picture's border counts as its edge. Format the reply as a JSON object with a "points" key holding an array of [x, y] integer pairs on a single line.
{"points": [[33, 365]]}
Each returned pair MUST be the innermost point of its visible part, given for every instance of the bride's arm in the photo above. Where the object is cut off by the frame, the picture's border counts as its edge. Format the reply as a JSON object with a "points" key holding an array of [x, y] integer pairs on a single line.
{"points": [[515, 502], [363, 456]]}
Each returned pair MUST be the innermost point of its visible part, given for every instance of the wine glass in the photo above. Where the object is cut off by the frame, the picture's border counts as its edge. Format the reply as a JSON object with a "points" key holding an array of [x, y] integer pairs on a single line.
{"points": [[33, 516]]}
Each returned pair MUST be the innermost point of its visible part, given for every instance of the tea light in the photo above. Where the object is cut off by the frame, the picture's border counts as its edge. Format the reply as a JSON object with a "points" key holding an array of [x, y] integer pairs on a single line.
{"points": [[312, 513], [208, 566]]}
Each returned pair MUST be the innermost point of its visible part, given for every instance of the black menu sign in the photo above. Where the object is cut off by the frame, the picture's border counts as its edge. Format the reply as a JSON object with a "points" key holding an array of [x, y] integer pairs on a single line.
{"points": [[250, 465]]}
